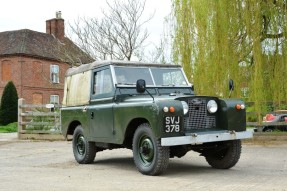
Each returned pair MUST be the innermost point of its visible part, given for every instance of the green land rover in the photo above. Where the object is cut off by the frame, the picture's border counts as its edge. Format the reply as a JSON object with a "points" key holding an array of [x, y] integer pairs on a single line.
{"points": [[151, 109]]}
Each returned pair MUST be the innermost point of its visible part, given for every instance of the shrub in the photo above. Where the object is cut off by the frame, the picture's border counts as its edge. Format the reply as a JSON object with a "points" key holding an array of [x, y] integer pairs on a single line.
{"points": [[9, 104], [12, 127]]}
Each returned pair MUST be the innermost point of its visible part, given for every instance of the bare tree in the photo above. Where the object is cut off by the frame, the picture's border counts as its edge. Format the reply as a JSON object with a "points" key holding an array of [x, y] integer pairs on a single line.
{"points": [[119, 34], [154, 53]]}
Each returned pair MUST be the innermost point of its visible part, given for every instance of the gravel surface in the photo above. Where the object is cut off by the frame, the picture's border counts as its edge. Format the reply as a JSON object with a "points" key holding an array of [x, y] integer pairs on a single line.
{"points": [[43, 165]]}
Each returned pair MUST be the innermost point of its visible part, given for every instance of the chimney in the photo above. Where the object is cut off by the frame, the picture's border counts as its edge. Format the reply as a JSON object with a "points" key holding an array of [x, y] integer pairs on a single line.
{"points": [[56, 26]]}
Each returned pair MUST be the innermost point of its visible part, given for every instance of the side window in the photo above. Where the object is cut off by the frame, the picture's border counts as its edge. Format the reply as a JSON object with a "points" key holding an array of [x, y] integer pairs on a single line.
{"points": [[102, 82], [54, 73]]}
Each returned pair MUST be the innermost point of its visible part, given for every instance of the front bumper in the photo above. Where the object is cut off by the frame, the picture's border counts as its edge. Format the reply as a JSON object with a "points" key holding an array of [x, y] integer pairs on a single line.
{"points": [[207, 137]]}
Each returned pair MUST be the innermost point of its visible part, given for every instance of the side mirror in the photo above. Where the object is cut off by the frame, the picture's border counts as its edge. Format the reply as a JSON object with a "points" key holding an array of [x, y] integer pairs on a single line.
{"points": [[231, 85], [141, 87]]}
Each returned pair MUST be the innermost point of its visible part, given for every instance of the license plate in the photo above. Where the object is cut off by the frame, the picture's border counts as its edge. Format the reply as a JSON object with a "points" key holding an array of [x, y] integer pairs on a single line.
{"points": [[172, 124]]}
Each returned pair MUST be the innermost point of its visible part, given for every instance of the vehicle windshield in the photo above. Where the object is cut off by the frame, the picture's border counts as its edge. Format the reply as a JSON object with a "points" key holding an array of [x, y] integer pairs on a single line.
{"points": [[129, 75], [168, 77], [152, 76]]}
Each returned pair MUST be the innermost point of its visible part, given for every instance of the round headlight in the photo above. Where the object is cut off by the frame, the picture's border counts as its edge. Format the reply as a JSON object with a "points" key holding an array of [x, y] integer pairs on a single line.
{"points": [[212, 106], [185, 107]]}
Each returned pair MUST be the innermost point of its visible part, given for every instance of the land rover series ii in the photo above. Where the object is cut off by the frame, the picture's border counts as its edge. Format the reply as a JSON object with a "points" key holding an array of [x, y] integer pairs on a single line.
{"points": [[151, 109]]}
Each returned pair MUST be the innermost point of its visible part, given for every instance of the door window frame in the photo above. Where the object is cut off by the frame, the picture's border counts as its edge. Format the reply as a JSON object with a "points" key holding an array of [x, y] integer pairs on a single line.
{"points": [[103, 95]]}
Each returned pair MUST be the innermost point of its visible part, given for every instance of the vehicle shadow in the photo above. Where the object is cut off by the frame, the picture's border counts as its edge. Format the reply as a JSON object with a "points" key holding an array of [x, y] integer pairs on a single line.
{"points": [[116, 161], [181, 166]]}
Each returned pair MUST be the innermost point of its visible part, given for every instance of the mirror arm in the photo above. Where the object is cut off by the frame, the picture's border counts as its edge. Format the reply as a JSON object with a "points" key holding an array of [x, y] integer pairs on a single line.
{"points": [[150, 95], [231, 87], [230, 93]]}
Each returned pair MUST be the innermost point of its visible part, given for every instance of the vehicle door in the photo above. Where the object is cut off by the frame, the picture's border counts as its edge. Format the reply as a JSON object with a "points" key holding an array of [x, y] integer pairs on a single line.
{"points": [[100, 110]]}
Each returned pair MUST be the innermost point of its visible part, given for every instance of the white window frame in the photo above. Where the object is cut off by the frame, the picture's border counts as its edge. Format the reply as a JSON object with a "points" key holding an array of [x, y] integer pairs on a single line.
{"points": [[54, 99], [54, 73]]}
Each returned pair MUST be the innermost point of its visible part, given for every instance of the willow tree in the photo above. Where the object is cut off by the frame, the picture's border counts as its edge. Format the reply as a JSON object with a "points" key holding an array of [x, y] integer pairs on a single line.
{"points": [[240, 39]]}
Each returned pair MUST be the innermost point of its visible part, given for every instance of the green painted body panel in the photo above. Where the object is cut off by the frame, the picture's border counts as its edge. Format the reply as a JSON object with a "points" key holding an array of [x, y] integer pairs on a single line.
{"points": [[144, 108], [230, 117], [101, 119], [76, 115], [125, 112], [109, 118]]}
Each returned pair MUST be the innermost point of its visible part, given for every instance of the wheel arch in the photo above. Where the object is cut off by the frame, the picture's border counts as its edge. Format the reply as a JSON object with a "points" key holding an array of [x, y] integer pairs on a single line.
{"points": [[72, 126], [130, 130]]}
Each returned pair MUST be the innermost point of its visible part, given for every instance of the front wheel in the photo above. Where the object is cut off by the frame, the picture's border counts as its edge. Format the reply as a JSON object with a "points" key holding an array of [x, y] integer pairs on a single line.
{"points": [[149, 156], [225, 155], [84, 151]]}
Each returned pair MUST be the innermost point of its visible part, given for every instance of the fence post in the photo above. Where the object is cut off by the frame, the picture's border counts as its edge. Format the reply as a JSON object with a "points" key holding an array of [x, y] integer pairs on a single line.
{"points": [[21, 102]]}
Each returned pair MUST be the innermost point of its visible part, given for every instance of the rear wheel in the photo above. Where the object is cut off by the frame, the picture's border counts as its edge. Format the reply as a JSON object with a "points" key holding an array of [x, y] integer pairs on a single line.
{"points": [[149, 156], [84, 151], [225, 156]]}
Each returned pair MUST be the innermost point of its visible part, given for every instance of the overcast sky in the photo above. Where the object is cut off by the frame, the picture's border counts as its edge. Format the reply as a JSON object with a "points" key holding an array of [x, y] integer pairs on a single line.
{"points": [[32, 14]]}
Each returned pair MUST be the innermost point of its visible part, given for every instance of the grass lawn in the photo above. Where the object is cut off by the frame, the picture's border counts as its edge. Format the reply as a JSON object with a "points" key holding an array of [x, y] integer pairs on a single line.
{"points": [[12, 127]]}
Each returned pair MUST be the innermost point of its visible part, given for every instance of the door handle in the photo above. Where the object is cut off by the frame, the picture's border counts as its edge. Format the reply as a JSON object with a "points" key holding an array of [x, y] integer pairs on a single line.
{"points": [[92, 115]]}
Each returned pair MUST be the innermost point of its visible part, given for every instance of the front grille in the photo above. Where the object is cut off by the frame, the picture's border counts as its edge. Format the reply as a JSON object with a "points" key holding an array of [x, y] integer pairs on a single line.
{"points": [[197, 115]]}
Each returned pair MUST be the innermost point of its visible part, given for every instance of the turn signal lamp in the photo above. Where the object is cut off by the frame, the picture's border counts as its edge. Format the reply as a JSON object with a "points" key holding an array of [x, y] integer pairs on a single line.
{"points": [[171, 109]]}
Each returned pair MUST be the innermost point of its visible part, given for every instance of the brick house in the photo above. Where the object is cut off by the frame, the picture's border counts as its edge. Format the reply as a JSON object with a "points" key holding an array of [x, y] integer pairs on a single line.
{"points": [[36, 62]]}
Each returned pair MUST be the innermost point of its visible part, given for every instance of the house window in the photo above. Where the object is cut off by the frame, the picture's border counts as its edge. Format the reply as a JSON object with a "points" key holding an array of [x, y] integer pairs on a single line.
{"points": [[6, 71], [54, 70], [37, 98], [37, 72], [54, 99]]}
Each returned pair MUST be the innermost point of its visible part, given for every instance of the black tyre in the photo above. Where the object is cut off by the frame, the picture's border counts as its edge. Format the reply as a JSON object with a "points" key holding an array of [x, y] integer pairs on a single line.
{"points": [[268, 129], [84, 151], [226, 155], [149, 156]]}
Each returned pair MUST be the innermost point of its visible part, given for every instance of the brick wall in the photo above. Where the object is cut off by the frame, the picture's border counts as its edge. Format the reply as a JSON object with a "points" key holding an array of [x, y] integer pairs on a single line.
{"points": [[32, 79]]}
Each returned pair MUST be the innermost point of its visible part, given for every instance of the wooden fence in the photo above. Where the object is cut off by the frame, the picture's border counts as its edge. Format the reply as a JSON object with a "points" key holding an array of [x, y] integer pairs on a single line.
{"points": [[37, 119]]}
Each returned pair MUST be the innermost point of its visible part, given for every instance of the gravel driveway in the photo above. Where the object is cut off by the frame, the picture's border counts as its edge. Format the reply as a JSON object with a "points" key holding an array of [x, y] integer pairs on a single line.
{"points": [[43, 165]]}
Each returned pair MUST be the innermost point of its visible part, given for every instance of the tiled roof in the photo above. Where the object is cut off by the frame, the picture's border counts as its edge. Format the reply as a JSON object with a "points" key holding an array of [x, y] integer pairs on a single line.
{"points": [[36, 44]]}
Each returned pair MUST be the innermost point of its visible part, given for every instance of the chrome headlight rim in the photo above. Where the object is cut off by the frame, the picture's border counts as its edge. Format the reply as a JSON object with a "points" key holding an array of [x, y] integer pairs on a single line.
{"points": [[185, 107], [212, 106]]}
